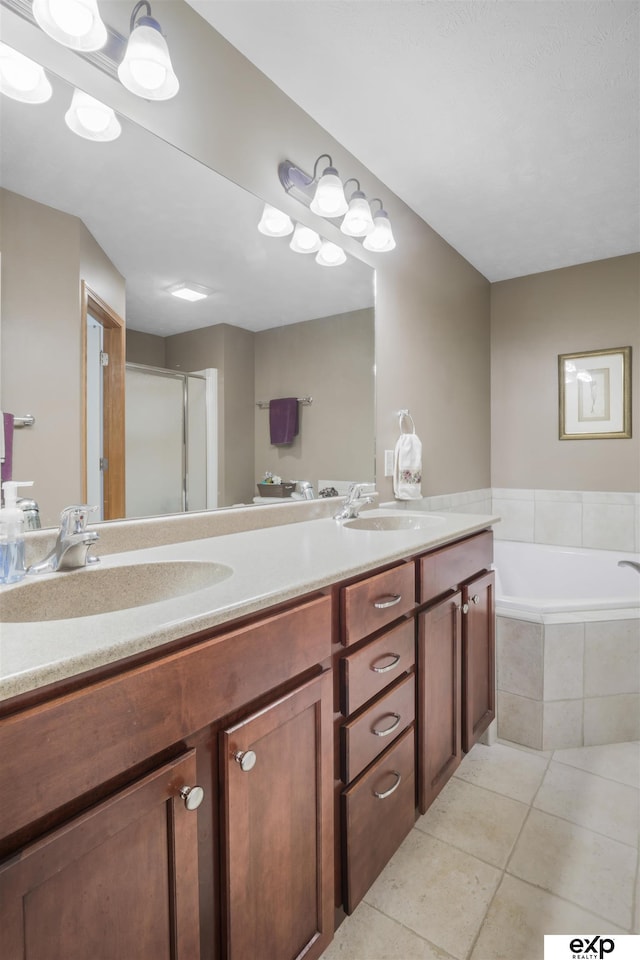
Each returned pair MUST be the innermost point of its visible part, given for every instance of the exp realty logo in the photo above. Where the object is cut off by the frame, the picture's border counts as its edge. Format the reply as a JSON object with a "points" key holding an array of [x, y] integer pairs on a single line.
{"points": [[592, 947], [586, 949]]}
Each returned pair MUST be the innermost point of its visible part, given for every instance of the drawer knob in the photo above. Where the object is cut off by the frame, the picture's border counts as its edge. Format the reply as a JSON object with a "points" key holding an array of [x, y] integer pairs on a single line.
{"points": [[387, 730], [387, 793], [246, 759], [395, 660], [475, 598], [389, 600], [192, 796]]}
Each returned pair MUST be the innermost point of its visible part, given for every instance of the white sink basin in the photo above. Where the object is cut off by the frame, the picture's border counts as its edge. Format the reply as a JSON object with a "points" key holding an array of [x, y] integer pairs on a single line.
{"points": [[402, 521], [95, 590]]}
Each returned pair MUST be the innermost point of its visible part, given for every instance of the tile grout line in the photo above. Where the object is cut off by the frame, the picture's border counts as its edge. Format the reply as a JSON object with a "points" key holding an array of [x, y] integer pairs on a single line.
{"points": [[506, 864], [411, 930]]}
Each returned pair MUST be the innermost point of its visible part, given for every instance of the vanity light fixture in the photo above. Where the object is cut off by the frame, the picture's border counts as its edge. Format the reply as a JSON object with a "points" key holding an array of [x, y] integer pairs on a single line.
{"points": [[330, 254], [381, 239], [21, 78], [146, 68], [74, 23], [275, 223], [305, 240], [189, 291], [92, 119], [357, 221], [326, 198], [329, 199]]}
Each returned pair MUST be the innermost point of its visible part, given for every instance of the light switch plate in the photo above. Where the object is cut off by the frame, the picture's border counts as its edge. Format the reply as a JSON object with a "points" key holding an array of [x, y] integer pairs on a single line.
{"points": [[388, 463]]}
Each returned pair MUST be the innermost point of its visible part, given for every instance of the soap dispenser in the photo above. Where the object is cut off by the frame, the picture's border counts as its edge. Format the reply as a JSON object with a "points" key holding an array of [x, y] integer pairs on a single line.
{"points": [[12, 565]]}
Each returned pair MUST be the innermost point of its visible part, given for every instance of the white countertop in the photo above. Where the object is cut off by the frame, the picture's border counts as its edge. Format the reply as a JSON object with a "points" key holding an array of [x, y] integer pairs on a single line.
{"points": [[269, 566]]}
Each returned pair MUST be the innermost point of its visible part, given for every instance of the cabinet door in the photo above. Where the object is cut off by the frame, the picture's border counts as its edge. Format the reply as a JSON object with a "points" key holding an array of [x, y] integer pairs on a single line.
{"points": [[277, 774], [439, 697], [120, 880], [478, 658]]}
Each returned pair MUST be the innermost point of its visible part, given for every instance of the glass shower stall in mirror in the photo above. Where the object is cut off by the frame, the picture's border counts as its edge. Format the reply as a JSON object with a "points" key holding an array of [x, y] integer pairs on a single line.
{"points": [[133, 219]]}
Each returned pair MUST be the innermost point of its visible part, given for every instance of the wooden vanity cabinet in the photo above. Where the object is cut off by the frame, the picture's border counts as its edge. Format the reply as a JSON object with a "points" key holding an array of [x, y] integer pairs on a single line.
{"points": [[375, 734], [276, 768], [120, 880], [102, 858], [456, 651]]}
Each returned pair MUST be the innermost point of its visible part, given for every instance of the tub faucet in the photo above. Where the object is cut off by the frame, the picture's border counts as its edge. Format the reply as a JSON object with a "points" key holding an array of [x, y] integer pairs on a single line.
{"points": [[74, 540], [629, 563], [356, 499]]}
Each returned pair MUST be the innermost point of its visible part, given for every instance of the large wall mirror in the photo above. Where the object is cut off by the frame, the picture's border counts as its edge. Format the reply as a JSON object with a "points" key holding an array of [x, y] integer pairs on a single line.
{"points": [[108, 229]]}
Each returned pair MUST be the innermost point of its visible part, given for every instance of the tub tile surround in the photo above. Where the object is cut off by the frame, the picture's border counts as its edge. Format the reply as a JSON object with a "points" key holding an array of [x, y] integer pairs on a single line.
{"points": [[517, 845], [569, 518], [568, 684]]}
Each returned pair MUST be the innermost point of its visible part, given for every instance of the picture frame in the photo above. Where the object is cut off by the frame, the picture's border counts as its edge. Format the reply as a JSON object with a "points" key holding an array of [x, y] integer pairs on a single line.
{"points": [[595, 394]]}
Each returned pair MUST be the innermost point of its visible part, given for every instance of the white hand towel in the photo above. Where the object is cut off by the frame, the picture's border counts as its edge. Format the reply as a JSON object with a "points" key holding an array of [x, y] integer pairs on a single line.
{"points": [[407, 470]]}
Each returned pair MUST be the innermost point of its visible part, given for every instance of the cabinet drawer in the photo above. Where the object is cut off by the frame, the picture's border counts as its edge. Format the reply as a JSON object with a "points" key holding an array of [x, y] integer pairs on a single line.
{"points": [[369, 670], [373, 603], [378, 811], [368, 734], [445, 569]]}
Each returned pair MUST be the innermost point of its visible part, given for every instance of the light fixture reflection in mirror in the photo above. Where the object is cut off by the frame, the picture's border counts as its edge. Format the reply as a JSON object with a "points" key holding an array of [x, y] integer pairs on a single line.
{"points": [[91, 119], [21, 78], [274, 325]]}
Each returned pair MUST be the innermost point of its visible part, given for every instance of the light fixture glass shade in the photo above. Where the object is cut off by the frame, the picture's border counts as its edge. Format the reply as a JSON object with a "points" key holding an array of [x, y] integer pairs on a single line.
{"points": [[380, 240], [146, 69], [304, 240], [21, 78], [74, 23], [329, 199], [91, 119], [358, 221], [275, 223], [330, 254]]}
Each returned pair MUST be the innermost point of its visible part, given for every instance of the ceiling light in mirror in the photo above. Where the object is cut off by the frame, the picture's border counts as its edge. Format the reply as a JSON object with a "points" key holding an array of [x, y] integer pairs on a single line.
{"points": [[305, 240], [21, 78], [146, 69], [275, 223], [189, 291], [91, 119], [73, 23], [330, 255]]}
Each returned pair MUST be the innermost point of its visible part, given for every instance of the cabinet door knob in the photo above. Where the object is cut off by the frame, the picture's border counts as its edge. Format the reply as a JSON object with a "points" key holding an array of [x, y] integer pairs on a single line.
{"points": [[465, 608], [387, 793], [395, 660], [475, 598], [387, 730], [389, 600], [192, 796], [246, 759]]}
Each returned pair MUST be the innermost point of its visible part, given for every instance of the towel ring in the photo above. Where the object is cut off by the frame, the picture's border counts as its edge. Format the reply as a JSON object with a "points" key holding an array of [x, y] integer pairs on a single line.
{"points": [[401, 415]]}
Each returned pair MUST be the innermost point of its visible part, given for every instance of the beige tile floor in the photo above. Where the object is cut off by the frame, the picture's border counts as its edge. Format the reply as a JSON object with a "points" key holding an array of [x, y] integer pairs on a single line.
{"points": [[518, 844]]}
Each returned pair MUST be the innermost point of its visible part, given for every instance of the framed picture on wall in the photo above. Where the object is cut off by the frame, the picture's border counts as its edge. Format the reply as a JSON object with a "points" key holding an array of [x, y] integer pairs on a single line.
{"points": [[595, 394]]}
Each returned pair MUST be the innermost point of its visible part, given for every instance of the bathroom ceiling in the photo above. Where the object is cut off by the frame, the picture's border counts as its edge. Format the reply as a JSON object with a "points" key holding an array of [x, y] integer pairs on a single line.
{"points": [[511, 127]]}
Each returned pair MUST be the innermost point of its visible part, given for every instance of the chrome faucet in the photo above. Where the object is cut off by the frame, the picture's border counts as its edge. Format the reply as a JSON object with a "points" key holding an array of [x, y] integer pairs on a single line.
{"points": [[355, 500], [74, 540], [629, 563]]}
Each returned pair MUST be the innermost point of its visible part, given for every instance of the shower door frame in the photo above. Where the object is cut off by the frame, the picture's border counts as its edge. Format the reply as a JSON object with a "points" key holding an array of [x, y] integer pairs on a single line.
{"points": [[210, 460]]}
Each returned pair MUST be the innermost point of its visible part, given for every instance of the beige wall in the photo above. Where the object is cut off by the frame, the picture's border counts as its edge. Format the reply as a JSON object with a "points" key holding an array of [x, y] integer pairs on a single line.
{"points": [[45, 256], [534, 319], [331, 360], [432, 308], [145, 348]]}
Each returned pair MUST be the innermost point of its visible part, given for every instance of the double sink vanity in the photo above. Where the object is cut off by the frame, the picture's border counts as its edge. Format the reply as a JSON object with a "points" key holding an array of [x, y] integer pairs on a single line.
{"points": [[213, 744]]}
